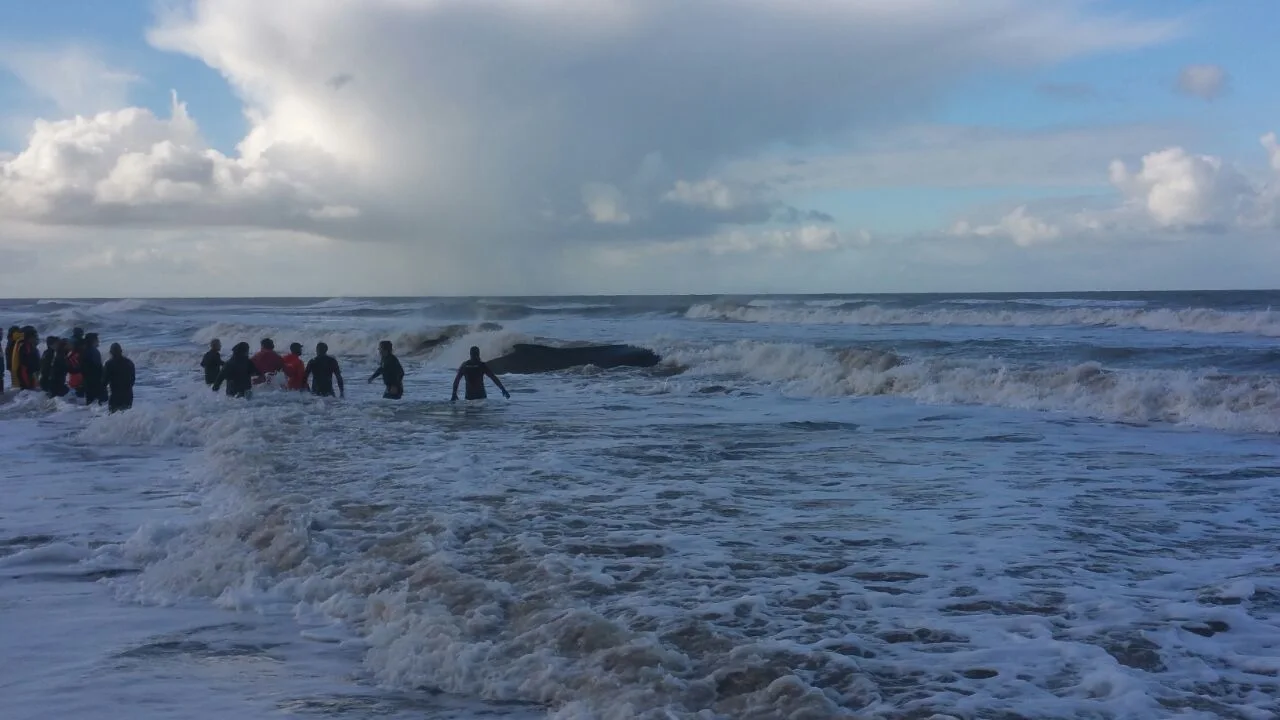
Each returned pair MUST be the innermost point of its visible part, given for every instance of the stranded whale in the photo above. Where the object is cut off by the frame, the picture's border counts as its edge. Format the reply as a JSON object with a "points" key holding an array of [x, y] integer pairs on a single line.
{"points": [[525, 359]]}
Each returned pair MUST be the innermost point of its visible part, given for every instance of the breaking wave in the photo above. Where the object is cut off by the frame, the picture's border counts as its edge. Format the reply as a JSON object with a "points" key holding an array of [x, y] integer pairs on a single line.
{"points": [[1196, 320], [1204, 398]]}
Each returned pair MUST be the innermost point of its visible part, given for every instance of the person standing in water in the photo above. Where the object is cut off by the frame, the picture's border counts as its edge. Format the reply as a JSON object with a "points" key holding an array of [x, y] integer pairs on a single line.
{"points": [[323, 369], [27, 360], [57, 386], [294, 369], [12, 339], [237, 372], [91, 371], [46, 362], [212, 362], [75, 378], [119, 376], [475, 372], [391, 372], [268, 361]]}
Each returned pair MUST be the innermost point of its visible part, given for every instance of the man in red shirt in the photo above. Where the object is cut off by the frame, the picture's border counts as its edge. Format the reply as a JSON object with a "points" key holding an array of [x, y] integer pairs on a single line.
{"points": [[294, 369], [267, 361]]}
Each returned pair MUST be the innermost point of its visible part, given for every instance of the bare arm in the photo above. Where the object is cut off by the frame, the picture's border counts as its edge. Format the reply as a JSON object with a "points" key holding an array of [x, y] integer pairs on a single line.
{"points": [[337, 373], [457, 379]]}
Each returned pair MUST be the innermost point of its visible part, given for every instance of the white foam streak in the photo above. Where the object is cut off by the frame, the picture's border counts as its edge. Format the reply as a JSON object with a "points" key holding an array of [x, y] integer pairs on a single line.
{"points": [[1197, 320]]}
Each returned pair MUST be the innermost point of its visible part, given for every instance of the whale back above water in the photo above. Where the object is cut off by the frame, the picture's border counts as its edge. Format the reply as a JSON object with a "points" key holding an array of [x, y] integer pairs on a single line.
{"points": [[527, 358]]}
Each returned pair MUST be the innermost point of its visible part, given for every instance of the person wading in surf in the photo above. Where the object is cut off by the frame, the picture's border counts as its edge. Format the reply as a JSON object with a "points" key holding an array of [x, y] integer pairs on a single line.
{"points": [[212, 362], [391, 372], [294, 369], [238, 373], [475, 372], [323, 369]]}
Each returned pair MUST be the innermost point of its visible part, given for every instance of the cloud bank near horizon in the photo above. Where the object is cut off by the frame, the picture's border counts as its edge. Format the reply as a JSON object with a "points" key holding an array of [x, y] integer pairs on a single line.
{"points": [[567, 144]]}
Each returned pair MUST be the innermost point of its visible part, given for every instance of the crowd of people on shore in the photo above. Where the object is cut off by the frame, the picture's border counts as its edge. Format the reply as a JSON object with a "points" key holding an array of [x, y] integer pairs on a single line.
{"points": [[75, 365], [69, 366]]}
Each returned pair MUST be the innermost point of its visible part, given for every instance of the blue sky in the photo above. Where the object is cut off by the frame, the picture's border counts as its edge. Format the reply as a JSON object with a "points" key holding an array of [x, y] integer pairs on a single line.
{"points": [[980, 159]]}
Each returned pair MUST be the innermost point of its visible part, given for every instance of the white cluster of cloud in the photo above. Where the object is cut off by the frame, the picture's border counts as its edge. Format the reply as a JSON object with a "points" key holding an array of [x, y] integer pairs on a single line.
{"points": [[1169, 192], [512, 123]]}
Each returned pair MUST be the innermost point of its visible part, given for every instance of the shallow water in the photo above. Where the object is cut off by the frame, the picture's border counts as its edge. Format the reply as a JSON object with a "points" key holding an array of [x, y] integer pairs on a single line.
{"points": [[813, 508]]}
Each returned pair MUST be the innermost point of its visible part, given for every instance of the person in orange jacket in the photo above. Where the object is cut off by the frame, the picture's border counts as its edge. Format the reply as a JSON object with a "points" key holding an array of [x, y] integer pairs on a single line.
{"points": [[268, 361], [294, 369]]}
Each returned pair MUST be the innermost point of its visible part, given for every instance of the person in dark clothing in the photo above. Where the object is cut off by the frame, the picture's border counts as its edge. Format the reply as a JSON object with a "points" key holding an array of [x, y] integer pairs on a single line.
{"points": [[91, 371], [46, 362], [475, 372], [119, 375], [57, 385], [321, 370], [391, 372], [212, 362], [238, 373]]}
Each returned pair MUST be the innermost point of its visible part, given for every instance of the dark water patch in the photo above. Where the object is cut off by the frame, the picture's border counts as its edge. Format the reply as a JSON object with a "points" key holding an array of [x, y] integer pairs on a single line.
{"points": [[82, 576], [1133, 650], [196, 648], [819, 426], [888, 576], [645, 550]]}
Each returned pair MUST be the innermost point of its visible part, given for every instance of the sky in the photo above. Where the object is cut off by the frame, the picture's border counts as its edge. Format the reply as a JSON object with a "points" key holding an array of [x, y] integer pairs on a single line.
{"points": [[213, 148]]}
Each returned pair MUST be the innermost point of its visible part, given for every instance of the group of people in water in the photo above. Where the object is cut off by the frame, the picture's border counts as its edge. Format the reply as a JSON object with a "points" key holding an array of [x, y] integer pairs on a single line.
{"points": [[241, 372], [69, 365], [75, 365]]}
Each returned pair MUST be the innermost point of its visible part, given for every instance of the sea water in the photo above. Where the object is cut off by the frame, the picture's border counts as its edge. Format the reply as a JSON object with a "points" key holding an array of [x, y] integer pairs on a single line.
{"points": [[966, 506]]}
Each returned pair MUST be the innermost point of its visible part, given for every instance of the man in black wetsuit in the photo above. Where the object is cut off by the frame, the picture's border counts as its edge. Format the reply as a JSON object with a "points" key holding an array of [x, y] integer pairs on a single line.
{"points": [[51, 344], [321, 370], [57, 386], [475, 372], [91, 370], [212, 362], [391, 372], [119, 375], [237, 372]]}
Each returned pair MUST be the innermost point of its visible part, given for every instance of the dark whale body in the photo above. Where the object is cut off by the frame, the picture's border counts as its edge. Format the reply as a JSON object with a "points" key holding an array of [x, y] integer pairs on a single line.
{"points": [[525, 359]]}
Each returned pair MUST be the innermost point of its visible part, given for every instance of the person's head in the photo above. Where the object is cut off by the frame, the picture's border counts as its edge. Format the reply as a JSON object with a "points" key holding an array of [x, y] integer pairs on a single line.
{"points": [[241, 348], [115, 350], [268, 344], [29, 333], [14, 331], [295, 348], [215, 345], [91, 339], [77, 334], [475, 353], [51, 342], [384, 347], [322, 349], [64, 345]]}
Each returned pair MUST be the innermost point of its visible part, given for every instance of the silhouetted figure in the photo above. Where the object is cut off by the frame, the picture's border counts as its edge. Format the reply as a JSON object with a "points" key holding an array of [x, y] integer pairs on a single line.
{"points": [[91, 371], [322, 369], [118, 376], [212, 362], [475, 372], [391, 372], [238, 372], [46, 362], [57, 385]]}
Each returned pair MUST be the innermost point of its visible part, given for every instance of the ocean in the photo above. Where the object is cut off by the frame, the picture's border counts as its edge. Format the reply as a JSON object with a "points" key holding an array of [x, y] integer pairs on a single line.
{"points": [[907, 506]]}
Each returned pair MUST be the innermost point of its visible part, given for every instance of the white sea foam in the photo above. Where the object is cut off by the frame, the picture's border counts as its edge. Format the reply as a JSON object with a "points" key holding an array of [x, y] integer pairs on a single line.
{"points": [[1198, 320]]}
